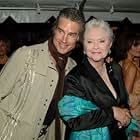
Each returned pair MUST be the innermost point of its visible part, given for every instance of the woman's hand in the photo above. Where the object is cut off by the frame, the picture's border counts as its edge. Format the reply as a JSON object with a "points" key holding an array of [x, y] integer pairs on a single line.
{"points": [[122, 115]]}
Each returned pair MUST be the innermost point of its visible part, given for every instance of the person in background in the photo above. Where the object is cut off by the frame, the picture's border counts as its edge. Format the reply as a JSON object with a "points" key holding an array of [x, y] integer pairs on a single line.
{"points": [[34, 83], [95, 100], [127, 53], [4, 50]]}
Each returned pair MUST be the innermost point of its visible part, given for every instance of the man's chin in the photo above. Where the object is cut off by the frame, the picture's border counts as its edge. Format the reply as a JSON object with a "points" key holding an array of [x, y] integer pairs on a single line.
{"points": [[62, 51]]}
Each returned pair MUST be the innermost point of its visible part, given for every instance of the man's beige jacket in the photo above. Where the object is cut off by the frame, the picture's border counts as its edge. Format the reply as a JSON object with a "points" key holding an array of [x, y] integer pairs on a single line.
{"points": [[27, 84]]}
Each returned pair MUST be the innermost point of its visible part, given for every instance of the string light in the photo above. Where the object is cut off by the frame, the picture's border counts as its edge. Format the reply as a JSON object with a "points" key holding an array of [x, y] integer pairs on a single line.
{"points": [[38, 10]]}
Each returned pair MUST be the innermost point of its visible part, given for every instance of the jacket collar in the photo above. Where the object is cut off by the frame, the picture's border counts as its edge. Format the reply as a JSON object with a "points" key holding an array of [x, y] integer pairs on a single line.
{"points": [[90, 69], [93, 75], [45, 61]]}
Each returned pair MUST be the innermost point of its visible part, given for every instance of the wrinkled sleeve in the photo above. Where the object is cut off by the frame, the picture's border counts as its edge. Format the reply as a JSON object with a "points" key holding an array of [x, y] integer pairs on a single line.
{"points": [[78, 113], [72, 107], [9, 74]]}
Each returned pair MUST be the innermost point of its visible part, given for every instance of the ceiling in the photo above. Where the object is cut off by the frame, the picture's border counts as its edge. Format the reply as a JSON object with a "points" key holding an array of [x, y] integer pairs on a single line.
{"points": [[132, 6], [40, 10]]}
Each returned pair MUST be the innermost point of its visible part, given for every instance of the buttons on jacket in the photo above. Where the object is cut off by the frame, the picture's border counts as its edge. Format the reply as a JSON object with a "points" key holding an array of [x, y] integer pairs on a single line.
{"points": [[51, 83], [45, 102]]}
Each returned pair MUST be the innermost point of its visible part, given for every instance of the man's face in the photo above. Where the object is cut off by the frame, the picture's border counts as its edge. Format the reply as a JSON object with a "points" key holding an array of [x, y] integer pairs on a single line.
{"points": [[66, 35]]}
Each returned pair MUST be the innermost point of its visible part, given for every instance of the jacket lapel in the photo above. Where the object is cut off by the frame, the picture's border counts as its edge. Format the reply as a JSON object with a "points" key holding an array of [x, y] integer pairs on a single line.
{"points": [[44, 60], [99, 84]]}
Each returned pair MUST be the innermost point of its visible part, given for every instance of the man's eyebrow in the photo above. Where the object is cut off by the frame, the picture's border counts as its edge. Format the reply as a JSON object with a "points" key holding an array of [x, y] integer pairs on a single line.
{"points": [[59, 28], [68, 33], [73, 33]]}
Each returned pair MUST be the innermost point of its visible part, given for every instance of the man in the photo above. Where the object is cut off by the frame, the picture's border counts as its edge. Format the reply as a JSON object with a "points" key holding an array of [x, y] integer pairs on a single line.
{"points": [[32, 83]]}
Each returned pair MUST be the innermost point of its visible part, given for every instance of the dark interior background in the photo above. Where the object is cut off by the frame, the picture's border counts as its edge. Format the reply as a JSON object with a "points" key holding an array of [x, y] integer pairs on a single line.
{"points": [[21, 34]]}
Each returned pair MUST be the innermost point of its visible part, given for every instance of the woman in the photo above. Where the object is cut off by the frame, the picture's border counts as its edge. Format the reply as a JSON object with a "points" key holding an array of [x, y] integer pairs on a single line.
{"points": [[127, 52], [94, 105]]}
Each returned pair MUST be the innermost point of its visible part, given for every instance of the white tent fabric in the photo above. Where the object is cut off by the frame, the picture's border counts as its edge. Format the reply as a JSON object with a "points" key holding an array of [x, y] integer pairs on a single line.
{"points": [[38, 11], [32, 16]]}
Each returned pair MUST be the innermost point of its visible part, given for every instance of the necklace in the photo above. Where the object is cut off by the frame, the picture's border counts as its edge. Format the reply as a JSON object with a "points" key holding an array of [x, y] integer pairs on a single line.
{"points": [[102, 70]]}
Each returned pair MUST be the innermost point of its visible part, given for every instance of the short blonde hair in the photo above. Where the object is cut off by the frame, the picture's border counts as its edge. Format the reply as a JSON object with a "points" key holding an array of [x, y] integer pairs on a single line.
{"points": [[102, 24]]}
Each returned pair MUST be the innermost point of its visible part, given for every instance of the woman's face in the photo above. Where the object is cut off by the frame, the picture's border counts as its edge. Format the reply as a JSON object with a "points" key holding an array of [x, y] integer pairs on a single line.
{"points": [[96, 44], [135, 51], [3, 48]]}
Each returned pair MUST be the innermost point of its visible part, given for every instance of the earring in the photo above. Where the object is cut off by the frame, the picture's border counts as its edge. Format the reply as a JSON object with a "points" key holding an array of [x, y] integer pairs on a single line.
{"points": [[109, 52]]}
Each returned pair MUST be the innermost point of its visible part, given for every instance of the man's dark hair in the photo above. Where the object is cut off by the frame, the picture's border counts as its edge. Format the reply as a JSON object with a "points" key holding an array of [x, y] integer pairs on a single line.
{"points": [[74, 15]]}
